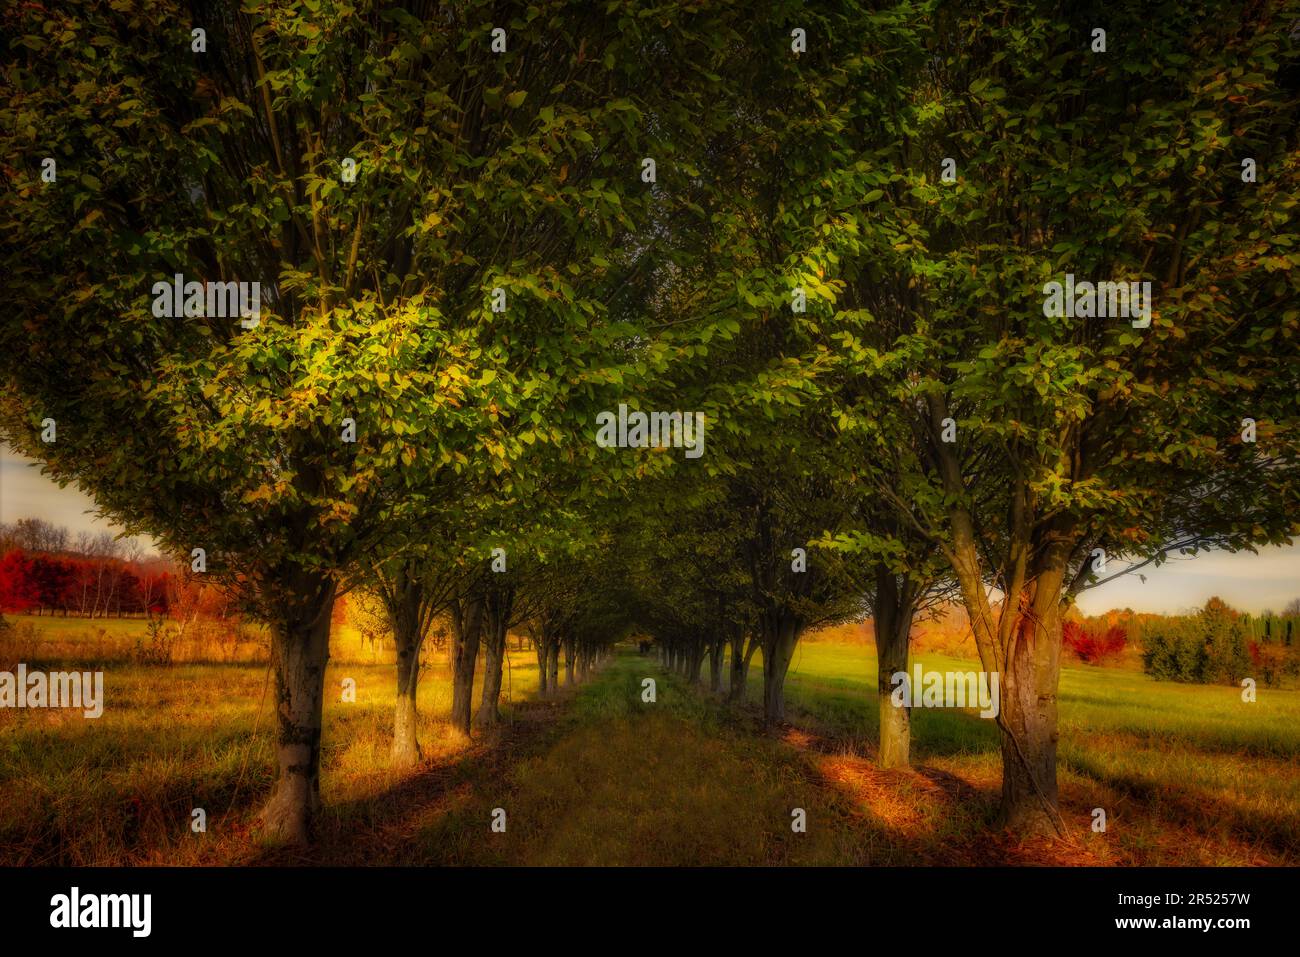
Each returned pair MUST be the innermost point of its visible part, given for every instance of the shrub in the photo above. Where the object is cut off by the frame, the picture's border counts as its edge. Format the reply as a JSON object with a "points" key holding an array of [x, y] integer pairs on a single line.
{"points": [[1093, 647], [158, 645], [1273, 662], [1172, 651]]}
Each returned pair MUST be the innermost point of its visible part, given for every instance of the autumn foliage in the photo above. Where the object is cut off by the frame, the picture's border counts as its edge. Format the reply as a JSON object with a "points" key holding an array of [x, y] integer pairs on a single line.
{"points": [[1093, 647], [84, 586]]}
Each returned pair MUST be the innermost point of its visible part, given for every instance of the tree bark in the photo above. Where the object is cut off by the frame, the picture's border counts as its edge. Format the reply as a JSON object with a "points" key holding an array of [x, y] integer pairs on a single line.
{"points": [[569, 663], [893, 626], [1022, 645], [467, 629], [489, 712], [696, 661], [742, 653], [299, 653], [715, 665], [781, 634], [553, 665], [498, 609], [405, 607], [406, 744], [540, 643], [1028, 720]]}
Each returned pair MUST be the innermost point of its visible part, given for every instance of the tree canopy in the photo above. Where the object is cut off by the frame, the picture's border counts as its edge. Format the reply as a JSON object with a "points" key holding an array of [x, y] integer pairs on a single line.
{"points": [[837, 241]]}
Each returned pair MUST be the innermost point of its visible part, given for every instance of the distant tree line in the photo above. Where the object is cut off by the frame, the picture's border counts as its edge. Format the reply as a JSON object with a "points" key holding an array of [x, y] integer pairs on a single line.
{"points": [[1219, 645]]}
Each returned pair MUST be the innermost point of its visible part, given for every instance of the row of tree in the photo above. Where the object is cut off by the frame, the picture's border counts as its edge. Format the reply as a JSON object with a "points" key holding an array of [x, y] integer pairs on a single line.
{"points": [[89, 587], [827, 227], [900, 420]]}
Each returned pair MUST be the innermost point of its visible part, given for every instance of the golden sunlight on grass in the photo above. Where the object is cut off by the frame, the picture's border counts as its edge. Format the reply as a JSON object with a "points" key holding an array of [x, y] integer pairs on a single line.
{"points": [[599, 777]]}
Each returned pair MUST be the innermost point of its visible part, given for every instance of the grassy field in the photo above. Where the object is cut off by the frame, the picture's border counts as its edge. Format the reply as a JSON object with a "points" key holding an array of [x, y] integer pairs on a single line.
{"points": [[1186, 774], [73, 639], [121, 788], [1224, 773]]}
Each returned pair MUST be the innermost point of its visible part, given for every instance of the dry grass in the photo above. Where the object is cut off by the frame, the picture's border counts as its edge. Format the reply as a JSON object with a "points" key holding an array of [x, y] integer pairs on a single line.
{"points": [[1186, 774], [120, 789]]}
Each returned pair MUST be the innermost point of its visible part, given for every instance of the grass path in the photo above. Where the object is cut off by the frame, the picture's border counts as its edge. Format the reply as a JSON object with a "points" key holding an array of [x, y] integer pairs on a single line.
{"points": [[599, 777], [602, 778], [605, 778], [618, 781]]}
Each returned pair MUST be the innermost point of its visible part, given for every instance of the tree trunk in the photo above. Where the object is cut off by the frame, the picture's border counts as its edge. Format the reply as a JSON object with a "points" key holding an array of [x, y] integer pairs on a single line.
{"points": [[742, 653], [405, 604], [299, 652], [489, 711], [553, 666], [1030, 803], [893, 625], [540, 644], [406, 744], [781, 636], [695, 666], [568, 663], [1022, 646], [500, 605], [467, 629], [715, 666]]}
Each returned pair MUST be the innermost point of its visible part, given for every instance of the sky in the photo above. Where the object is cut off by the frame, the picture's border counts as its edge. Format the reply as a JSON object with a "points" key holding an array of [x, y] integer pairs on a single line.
{"points": [[26, 493], [1253, 583]]}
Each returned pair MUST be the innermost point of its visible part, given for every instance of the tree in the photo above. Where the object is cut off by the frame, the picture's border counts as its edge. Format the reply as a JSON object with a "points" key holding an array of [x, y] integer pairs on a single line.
{"points": [[1039, 439], [481, 179], [17, 590], [412, 594]]}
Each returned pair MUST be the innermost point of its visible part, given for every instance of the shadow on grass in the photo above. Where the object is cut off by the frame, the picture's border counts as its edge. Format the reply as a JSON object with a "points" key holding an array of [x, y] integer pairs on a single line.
{"points": [[1194, 812]]}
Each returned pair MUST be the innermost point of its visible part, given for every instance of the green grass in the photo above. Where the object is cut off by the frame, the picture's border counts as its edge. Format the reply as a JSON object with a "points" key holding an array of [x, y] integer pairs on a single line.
{"points": [[88, 634], [1148, 751], [626, 782], [72, 639]]}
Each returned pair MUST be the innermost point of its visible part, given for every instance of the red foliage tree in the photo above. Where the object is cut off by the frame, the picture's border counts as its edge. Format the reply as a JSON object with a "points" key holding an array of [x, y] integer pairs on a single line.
{"points": [[17, 591], [1093, 647]]}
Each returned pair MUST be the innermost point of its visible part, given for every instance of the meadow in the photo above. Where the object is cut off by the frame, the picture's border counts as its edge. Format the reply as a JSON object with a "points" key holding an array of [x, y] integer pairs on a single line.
{"points": [[1186, 774]]}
